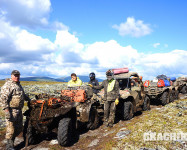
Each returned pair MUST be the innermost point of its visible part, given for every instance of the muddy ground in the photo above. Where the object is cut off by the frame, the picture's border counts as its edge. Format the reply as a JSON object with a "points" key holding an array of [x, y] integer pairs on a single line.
{"points": [[107, 138]]}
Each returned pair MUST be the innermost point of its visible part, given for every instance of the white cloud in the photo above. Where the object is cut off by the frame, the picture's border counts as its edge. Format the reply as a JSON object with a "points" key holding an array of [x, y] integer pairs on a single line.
{"points": [[155, 45], [166, 45], [30, 13], [2, 35], [17, 45], [65, 40], [133, 28], [36, 56], [110, 54], [26, 41]]}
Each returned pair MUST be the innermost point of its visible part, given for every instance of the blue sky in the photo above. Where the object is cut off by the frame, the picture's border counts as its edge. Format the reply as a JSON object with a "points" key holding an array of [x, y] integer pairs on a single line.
{"points": [[56, 38]]}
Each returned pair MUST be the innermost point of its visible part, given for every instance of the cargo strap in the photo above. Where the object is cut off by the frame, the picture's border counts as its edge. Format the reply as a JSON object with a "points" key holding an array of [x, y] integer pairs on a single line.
{"points": [[41, 109]]}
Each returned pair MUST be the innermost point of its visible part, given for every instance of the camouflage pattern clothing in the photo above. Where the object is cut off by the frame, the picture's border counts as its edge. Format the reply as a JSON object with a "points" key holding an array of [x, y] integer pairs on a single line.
{"points": [[12, 98], [109, 98]]}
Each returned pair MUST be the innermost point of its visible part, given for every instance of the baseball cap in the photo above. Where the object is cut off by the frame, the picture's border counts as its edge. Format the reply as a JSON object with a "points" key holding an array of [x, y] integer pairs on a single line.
{"points": [[14, 72]]}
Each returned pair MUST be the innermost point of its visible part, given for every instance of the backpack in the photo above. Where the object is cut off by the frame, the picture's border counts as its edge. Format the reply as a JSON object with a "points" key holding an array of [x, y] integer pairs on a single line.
{"points": [[146, 83], [167, 83], [160, 83]]}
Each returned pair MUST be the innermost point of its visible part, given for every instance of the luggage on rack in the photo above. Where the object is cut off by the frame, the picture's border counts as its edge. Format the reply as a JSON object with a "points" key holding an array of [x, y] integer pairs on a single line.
{"points": [[173, 79], [146, 83], [120, 70], [160, 83], [167, 83]]}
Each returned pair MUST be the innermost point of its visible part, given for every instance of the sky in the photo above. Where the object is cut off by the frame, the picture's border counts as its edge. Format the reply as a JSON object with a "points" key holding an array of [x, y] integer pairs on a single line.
{"points": [[58, 37]]}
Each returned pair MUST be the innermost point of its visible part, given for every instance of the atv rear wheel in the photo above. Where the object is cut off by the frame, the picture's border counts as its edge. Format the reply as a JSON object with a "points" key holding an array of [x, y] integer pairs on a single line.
{"points": [[146, 103], [165, 98], [128, 111], [93, 122], [184, 90], [65, 133]]}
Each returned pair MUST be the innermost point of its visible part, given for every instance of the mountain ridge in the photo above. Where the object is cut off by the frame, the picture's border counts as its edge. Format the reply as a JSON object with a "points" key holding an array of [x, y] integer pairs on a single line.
{"points": [[50, 79]]}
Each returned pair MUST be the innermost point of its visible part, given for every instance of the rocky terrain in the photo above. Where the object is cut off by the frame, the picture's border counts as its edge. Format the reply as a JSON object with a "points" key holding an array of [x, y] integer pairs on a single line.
{"points": [[124, 135]]}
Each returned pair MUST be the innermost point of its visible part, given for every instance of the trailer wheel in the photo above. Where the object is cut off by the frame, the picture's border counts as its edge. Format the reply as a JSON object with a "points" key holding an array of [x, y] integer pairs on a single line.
{"points": [[184, 90], [146, 103], [128, 111], [165, 98], [93, 122], [64, 136]]}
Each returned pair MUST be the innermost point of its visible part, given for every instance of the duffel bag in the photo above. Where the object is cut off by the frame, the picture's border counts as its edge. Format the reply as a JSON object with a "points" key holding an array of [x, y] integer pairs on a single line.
{"points": [[160, 83], [120, 70], [173, 79], [167, 83], [146, 83]]}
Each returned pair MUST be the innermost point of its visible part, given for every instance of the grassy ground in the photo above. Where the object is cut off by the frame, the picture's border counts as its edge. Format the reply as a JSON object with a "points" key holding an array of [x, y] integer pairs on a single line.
{"points": [[23, 83], [168, 119]]}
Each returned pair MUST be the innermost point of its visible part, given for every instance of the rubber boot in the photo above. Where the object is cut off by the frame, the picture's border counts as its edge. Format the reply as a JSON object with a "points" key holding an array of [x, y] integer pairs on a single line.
{"points": [[10, 145]]}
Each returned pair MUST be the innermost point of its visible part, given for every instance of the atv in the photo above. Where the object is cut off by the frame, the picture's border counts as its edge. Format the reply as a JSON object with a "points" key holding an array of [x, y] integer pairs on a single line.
{"points": [[158, 91], [181, 84], [86, 109], [132, 96], [47, 114]]}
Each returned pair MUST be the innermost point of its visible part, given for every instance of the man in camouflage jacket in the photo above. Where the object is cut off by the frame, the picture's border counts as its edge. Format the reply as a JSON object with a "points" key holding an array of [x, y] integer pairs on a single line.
{"points": [[12, 99], [111, 96]]}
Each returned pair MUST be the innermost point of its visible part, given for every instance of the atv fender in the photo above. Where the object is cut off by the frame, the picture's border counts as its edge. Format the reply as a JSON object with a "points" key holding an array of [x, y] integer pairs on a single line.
{"points": [[83, 111]]}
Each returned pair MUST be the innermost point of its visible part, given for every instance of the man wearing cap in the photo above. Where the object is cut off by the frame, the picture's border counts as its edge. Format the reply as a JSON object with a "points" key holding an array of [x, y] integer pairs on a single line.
{"points": [[12, 98], [75, 81], [111, 96]]}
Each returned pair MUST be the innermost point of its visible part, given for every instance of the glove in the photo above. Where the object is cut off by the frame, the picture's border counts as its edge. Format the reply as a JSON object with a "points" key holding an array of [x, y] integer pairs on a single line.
{"points": [[90, 85], [117, 101]]}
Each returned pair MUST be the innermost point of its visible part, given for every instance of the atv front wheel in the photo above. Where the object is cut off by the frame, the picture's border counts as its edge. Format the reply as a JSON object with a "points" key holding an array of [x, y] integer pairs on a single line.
{"points": [[172, 96], [146, 103], [93, 122], [176, 95], [65, 133], [128, 111], [184, 90], [29, 133], [165, 98]]}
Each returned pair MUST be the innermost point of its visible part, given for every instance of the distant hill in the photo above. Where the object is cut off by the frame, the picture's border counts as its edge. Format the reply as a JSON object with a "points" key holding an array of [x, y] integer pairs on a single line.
{"points": [[62, 79], [83, 78], [41, 79]]}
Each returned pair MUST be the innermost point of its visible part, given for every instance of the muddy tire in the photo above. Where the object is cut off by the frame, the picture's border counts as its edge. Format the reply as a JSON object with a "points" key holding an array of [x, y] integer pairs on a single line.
{"points": [[165, 98], [184, 90], [172, 96], [176, 95], [93, 122], [64, 136], [30, 132], [146, 103], [128, 111]]}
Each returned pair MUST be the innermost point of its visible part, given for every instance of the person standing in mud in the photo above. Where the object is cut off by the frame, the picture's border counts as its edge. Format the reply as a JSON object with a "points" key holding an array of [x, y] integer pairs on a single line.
{"points": [[12, 99], [75, 81], [94, 82], [111, 97]]}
